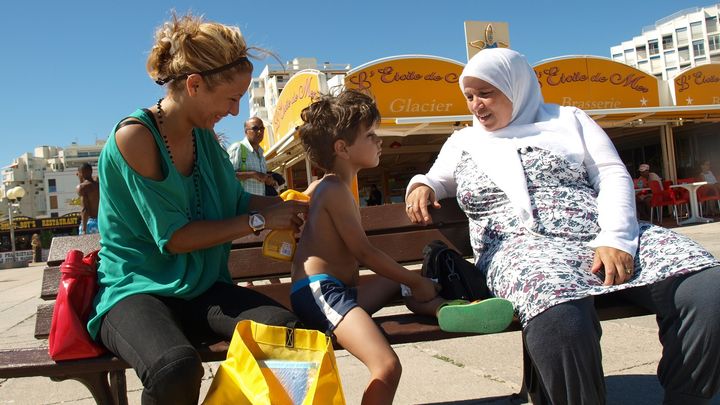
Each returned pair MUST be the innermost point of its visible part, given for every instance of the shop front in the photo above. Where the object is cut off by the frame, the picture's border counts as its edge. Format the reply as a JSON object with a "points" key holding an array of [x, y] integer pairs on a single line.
{"points": [[672, 128], [25, 227]]}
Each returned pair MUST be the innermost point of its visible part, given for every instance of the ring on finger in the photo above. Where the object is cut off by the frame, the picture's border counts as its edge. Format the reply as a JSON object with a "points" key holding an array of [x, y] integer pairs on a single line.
{"points": [[408, 206], [627, 270]]}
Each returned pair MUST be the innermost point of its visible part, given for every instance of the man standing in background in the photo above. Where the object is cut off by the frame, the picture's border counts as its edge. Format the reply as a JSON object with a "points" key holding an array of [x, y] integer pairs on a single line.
{"points": [[248, 159], [89, 192]]}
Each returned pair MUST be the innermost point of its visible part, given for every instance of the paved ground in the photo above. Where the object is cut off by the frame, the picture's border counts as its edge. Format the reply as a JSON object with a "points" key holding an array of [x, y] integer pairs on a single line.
{"points": [[470, 370]]}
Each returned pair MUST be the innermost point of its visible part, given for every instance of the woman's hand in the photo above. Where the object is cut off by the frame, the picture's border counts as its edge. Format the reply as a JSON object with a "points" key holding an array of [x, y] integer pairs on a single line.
{"points": [[416, 204], [618, 265], [285, 215]]}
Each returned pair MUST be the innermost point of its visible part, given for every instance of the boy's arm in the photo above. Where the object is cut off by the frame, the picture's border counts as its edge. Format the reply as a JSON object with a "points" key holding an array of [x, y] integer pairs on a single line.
{"points": [[345, 215]]}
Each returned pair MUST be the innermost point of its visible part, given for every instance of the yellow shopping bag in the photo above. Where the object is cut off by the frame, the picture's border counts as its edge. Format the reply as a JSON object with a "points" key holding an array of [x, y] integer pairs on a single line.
{"points": [[277, 365]]}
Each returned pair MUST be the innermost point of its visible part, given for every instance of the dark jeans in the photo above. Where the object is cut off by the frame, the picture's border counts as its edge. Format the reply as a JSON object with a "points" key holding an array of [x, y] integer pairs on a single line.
{"points": [[564, 342], [156, 335]]}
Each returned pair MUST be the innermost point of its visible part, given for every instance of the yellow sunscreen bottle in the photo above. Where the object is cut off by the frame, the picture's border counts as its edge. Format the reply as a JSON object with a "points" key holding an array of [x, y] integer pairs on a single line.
{"points": [[280, 244]]}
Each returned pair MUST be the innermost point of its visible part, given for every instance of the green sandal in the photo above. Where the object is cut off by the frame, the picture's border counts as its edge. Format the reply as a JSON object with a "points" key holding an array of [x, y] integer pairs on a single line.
{"points": [[491, 315]]}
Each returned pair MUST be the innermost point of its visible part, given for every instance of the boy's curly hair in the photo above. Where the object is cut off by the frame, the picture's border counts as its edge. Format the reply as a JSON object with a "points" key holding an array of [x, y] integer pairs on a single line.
{"points": [[331, 118]]}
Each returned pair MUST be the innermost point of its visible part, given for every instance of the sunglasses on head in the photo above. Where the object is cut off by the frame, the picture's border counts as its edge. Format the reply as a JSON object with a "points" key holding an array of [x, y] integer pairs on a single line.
{"points": [[255, 128]]}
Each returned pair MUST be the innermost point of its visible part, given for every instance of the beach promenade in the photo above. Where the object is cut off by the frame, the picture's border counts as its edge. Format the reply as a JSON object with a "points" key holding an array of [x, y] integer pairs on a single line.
{"points": [[470, 370]]}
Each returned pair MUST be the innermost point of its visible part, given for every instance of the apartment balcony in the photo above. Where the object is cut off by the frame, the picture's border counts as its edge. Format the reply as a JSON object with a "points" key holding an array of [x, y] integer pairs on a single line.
{"points": [[258, 92]]}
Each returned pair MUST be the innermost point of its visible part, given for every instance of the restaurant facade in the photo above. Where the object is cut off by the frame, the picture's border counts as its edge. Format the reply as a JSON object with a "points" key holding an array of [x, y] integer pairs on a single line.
{"points": [[671, 125]]}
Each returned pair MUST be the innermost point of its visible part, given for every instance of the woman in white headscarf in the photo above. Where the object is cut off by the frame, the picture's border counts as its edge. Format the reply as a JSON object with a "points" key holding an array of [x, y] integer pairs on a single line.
{"points": [[552, 224]]}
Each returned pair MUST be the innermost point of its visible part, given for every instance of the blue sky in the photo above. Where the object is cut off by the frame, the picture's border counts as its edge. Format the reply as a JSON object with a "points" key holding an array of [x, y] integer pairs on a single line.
{"points": [[71, 69]]}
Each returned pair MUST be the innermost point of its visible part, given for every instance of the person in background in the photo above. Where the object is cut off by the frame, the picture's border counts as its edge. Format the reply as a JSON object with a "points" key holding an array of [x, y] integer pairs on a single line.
{"points": [[170, 207], [248, 159], [375, 196], [643, 197], [552, 224], [36, 244], [710, 189], [89, 192], [646, 176], [272, 190], [707, 175]]}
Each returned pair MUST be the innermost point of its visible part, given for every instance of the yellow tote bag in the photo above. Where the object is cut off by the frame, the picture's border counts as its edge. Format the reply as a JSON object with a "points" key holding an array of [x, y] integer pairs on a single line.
{"points": [[277, 365]]}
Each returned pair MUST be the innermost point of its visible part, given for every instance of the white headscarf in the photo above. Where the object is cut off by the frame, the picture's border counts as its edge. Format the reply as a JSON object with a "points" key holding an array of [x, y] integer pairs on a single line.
{"points": [[533, 123]]}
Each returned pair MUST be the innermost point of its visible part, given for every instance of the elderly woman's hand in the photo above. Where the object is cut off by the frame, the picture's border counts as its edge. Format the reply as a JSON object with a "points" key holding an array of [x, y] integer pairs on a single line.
{"points": [[416, 204], [618, 265]]}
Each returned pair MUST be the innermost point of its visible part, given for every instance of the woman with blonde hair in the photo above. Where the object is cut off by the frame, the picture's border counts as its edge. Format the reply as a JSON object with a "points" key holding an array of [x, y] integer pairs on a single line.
{"points": [[170, 206]]}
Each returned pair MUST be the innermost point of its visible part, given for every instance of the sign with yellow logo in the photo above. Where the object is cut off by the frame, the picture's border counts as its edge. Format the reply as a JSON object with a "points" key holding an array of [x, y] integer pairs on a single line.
{"points": [[592, 83], [481, 35], [26, 223], [411, 86], [698, 86], [298, 93]]}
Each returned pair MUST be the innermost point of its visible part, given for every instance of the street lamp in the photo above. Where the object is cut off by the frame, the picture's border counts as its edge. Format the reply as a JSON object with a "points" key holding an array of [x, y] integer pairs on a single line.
{"points": [[14, 195]]}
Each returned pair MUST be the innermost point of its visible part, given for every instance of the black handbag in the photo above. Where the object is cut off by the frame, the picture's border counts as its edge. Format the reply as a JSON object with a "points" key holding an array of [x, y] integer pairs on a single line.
{"points": [[458, 278]]}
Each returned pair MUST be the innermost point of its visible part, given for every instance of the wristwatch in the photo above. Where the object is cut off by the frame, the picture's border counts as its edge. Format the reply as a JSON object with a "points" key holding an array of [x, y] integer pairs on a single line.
{"points": [[256, 222]]}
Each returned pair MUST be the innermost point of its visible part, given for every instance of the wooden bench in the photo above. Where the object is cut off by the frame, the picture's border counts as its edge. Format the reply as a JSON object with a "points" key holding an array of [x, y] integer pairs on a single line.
{"points": [[387, 228]]}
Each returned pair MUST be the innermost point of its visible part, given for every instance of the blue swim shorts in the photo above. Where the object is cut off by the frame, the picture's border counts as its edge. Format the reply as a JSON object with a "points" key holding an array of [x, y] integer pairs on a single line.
{"points": [[92, 227], [321, 301]]}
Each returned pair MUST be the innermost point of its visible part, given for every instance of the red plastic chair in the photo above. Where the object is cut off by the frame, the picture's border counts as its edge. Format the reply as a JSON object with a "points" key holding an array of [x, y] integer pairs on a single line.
{"points": [[665, 198], [706, 193]]}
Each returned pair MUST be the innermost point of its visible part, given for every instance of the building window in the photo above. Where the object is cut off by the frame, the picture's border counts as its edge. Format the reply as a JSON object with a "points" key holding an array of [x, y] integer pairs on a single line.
{"points": [[696, 30], [715, 58], [713, 42], [653, 47], [671, 72], [52, 187], [644, 65], [684, 55], [670, 58], [682, 36], [629, 57], [618, 57], [53, 202], [641, 52], [700, 61], [698, 48], [711, 23], [655, 64], [667, 41], [54, 215]]}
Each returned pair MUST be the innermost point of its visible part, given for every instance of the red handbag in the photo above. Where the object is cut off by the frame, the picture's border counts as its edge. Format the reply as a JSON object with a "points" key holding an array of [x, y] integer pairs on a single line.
{"points": [[69, 338]]}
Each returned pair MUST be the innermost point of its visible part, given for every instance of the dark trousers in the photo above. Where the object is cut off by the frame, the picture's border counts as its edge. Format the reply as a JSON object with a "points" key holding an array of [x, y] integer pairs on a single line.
{"points": [[156, 335], [563, 343]]}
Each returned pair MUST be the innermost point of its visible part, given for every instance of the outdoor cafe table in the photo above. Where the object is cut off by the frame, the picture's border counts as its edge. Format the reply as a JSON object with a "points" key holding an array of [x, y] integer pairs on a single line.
{"points": [[694, 207]]}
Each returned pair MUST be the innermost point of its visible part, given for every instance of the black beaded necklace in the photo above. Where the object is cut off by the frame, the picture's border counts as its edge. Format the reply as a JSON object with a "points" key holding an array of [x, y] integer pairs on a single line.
{"points": [[195, 170]]}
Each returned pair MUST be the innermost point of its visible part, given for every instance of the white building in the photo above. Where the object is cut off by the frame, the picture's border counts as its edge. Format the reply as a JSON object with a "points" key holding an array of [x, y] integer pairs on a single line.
{"points": [[688, 38], [49, 179], [266, 88]]}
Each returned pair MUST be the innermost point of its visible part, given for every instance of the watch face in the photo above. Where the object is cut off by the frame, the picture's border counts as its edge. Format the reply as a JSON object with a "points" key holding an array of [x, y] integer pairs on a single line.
{"points": [[257, 221]]}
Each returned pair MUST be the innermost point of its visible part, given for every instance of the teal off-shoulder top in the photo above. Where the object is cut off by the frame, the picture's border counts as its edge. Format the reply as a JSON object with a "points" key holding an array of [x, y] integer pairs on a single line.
{"points": [[137, 217]]}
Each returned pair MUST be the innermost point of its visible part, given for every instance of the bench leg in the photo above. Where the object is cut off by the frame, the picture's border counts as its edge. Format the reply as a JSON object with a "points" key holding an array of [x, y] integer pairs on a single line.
{"points": [[104, 391]]}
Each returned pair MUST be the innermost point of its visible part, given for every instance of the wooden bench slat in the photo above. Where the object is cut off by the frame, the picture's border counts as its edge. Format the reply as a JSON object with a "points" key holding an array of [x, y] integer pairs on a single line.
{"points": [[43, 320], [50, 282], [61, 245]]}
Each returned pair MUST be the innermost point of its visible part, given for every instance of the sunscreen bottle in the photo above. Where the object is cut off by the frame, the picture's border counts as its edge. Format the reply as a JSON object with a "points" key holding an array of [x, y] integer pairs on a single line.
{"points": [[280, 244]]}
